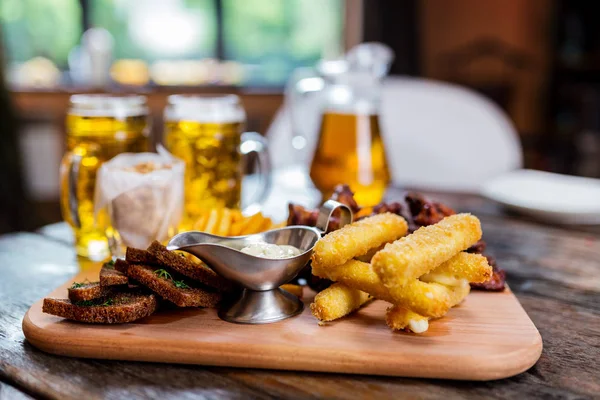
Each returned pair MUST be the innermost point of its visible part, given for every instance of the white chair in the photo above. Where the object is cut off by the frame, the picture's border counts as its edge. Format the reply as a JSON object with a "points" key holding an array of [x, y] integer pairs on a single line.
{"points": [[437, 136]]}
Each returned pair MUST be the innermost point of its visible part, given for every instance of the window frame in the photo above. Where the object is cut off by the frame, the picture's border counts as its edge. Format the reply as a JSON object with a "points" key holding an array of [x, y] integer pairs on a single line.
{"points": [[353, 16]]}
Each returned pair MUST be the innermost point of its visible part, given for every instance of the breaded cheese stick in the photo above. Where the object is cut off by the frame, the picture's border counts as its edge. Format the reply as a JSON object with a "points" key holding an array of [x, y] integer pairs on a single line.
{"points": [[357, 238], [472, 267], [399, 317], [357, 275], [429, 299], [414, 255], [336, 301]]}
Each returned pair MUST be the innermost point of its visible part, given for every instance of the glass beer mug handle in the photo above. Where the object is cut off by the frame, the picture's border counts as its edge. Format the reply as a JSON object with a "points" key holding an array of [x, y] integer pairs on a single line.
{"points": [[253, 142], [72, 177]]}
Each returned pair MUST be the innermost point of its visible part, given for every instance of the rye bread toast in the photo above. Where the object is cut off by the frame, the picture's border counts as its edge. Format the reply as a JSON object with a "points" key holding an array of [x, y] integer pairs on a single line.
{"points": [[138, 256], [87, 291], [198, 272], [109, 276], [121, 266], [115, 309], [165, 283]]}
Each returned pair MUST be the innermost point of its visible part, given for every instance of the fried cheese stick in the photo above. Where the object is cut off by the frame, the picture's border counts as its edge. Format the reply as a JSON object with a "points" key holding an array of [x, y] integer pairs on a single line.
{"points": [[399, 317], [432, 298], [472, 267], [337, 301], [357, 275], [357, 238], [414, 255]]}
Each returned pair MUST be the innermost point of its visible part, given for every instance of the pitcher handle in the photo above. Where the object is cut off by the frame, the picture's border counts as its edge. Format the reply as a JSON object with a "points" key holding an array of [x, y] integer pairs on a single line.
{"points": [[254, 142]]}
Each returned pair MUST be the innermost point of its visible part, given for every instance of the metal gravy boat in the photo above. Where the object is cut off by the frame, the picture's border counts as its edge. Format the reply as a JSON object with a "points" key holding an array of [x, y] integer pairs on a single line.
{"points": [[261, 301]]}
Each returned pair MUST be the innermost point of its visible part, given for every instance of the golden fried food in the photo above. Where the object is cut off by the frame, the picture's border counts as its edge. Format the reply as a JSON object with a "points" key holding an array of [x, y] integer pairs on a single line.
{"points": [[412, 256], [429, 299], [337, 301], [357, 239], [296, 290], [230, 222], [400, 317], [224, 224], [212, 222], [432, 298], [357, 275], [472, 267]]}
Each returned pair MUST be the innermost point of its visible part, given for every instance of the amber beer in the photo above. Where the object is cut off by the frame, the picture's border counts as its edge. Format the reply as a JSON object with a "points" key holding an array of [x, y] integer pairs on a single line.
{"points": [[350, 150], [207, 133], [98, 127]]}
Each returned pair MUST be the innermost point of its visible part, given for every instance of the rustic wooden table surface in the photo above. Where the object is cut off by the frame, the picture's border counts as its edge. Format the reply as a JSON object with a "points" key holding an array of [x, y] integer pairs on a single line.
{"points": [[554, 271]]}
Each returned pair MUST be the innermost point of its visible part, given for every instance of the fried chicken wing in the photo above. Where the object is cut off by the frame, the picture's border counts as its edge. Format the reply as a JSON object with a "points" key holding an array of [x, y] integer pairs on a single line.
{"points": [[357, 239], [344, 195]]}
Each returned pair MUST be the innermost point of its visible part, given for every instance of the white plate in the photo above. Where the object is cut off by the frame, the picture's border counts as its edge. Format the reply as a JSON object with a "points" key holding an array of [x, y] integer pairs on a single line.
{"points": [[546, 196]]}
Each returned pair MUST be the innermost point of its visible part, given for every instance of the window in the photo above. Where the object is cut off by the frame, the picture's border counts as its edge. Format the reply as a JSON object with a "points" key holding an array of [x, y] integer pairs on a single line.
{"points": [[272, 37], [48, 28], [158, 29], [256, 42]]}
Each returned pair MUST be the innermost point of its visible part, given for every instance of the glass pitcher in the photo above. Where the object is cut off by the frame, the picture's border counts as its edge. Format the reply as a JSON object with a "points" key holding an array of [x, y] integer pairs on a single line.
{"points": [[346, 94]]}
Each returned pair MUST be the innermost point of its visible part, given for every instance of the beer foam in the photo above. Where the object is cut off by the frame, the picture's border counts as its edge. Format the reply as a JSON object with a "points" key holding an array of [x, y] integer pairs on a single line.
{"points": [[212, 109], [100, 105]]}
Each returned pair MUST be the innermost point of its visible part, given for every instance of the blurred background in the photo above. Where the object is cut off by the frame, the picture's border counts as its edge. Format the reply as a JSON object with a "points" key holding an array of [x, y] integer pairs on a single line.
{"points": [[539, 60]]}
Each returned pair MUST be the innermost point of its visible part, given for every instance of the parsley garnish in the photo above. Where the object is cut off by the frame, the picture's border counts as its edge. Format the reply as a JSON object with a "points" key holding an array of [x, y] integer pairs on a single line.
{"points": [[163, 273], [166, 275], [77, 285], [94, 303], [180, 284]]}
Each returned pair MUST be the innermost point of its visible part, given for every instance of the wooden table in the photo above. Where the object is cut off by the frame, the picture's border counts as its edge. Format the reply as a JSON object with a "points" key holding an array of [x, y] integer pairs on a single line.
{"points": [[554, 271]]}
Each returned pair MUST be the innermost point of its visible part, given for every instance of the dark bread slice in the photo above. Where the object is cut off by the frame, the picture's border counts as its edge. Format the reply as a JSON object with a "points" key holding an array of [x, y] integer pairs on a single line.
{"points": [[109, 276], [138, 256], [120, 308], [121, 266], [199, 272], [87, 291], [166, 288]]}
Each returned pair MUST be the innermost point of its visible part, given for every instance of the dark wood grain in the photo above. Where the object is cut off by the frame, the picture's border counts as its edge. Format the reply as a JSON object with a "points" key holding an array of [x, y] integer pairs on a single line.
{"points": [[554, 271]]}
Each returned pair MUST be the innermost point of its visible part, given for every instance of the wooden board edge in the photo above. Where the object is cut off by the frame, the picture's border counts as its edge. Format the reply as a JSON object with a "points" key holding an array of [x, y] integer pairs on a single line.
{"points": [[507, 365]]}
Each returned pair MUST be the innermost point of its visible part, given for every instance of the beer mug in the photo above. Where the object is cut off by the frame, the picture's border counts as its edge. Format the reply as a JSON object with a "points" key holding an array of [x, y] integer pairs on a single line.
{"points": [[207, 133], [98, 127]]}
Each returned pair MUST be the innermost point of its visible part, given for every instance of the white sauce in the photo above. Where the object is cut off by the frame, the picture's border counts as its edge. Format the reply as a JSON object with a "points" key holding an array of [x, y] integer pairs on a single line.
{"points": [[267, 250]]}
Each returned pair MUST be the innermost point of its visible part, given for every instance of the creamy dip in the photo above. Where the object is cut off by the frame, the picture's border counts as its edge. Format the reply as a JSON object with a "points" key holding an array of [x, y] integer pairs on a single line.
{"points": [[267, 250]]}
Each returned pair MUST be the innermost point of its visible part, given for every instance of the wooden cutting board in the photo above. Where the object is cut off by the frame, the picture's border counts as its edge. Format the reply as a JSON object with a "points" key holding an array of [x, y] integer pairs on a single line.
{"points": [[487, 337]]}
